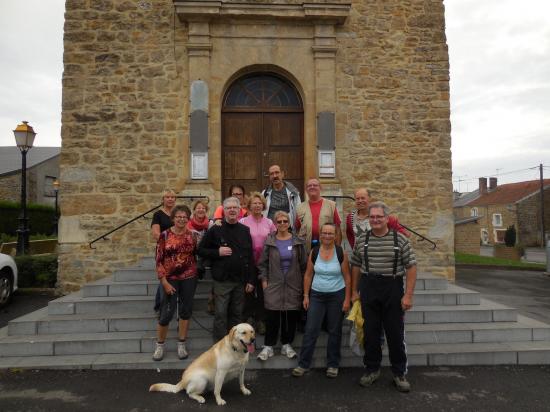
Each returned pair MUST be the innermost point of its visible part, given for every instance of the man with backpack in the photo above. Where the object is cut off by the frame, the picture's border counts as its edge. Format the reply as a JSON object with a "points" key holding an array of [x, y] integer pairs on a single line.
{"points": [[380, 260]]}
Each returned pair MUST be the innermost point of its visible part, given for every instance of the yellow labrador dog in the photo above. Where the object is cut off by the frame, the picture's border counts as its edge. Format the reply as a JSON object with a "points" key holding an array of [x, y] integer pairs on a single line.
{"points": [[225, 360]]}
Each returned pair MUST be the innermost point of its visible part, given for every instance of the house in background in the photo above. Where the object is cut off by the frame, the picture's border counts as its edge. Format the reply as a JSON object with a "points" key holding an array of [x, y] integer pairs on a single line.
{"points": [[42, 171], [493, 208]]}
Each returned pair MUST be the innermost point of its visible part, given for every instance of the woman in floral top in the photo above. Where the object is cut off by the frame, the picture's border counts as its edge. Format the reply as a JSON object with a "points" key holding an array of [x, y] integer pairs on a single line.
{"points": [[177, 272]]}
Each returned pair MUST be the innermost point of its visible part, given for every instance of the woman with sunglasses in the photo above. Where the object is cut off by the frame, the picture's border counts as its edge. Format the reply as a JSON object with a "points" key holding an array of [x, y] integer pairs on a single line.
{"points": [[327, 292], [177, 272], [281, 266]]}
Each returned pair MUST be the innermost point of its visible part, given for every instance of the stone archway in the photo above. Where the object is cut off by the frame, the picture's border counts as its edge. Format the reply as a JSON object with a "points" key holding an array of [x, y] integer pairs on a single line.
{"points": [[262, 124]]}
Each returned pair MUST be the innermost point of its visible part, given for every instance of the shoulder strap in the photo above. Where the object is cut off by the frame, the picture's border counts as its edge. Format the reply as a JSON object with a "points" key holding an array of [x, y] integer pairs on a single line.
{"points": [[340, 253], [366, 251], [395, 252], [314, 254]]}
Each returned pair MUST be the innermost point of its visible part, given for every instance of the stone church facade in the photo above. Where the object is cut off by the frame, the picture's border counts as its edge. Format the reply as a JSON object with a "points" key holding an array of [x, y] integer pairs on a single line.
{"points": [[196, 95]]}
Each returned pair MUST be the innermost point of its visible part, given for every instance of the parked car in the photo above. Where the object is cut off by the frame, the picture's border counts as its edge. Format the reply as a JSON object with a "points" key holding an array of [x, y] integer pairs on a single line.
{"points": [[8, 279]]}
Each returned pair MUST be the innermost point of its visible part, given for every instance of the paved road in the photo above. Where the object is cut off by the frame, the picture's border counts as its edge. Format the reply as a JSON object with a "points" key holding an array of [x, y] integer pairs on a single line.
{"points": [[527, 291], [23, 303], [434, 389], [500, 388]]}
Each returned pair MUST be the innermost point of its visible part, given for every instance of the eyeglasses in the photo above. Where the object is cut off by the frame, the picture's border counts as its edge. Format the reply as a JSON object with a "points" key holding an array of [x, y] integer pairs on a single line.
{"points": [[327, 234], [181, 217], [236, 194], [376, 217], [280, 222]]}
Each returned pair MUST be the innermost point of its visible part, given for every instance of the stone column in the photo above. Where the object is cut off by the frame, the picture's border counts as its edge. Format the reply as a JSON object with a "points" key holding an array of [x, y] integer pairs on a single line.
{"points": [[199, 48], [324, 52]]}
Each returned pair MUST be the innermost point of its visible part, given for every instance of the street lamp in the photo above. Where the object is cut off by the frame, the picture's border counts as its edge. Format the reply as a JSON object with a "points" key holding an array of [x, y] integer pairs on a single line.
{"points": [[56, 216], [24, 138]]}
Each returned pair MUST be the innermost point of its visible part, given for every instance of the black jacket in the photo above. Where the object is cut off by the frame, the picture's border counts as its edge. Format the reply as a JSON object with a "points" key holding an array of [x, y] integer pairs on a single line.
{"points": [[239, 267]]}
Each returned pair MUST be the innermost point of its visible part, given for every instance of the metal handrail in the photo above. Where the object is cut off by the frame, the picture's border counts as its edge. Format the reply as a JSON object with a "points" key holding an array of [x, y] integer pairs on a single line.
{"points": [[400, 224], [104, 236]]}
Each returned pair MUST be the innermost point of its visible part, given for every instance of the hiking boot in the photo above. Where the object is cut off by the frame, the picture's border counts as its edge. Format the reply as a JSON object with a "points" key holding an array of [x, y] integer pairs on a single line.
{"points": [[288, 351], [369, 378], [182, 350], [332, 372], [299, 371], [266, 353], [401, 383], [158, 354]]}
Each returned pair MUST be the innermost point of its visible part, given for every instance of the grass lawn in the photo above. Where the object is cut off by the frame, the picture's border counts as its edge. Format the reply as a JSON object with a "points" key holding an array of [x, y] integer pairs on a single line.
{"points": [[466, 259]]}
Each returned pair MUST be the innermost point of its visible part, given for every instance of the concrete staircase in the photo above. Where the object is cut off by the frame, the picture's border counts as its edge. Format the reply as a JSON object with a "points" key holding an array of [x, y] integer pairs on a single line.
{"points": [[110, 324]]}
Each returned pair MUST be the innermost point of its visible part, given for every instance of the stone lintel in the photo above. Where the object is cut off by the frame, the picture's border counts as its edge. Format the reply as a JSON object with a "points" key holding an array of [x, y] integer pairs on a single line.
{"points": [[324, 52], [335, 13]]}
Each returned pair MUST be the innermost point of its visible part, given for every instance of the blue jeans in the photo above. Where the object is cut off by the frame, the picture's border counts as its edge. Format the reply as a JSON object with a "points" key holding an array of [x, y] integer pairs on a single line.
{"points": [[321, 304]]}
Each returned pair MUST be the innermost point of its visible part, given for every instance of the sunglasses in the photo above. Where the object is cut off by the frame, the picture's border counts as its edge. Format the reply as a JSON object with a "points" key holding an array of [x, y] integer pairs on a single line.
{"points": [[236, 194], [280, 222]]}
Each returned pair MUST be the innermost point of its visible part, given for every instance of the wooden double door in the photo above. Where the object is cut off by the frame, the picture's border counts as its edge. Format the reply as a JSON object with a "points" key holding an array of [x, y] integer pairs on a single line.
{"points": [[261, 135]]}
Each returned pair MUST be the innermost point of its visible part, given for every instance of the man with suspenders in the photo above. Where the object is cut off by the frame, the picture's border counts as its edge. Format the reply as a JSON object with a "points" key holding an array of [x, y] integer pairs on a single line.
{"points": [[380, 260]]}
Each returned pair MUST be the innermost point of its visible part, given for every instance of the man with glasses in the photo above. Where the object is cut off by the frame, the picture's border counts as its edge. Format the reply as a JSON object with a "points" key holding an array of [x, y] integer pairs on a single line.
{"points": [[314, 213], [229, 248], [280, 195], [380, 260]]}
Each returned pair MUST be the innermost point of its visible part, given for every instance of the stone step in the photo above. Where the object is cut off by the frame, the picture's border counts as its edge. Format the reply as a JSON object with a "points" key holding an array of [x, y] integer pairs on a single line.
{"points": [[40, 323], [453, 295], [425, 281], [486, 311], [108, 287], [75, 304], [522, 353], [525, 329]]}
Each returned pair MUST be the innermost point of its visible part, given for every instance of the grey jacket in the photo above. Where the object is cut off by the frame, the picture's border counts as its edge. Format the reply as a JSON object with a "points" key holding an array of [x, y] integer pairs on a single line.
{"points": [[293, 200], [283, 292]]}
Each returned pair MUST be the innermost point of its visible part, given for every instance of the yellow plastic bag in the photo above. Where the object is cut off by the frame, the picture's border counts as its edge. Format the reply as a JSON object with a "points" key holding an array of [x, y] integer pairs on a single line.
{"points": [[356, 338]]}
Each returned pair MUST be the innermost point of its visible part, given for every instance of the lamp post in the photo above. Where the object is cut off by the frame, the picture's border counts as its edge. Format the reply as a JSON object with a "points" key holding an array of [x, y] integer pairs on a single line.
{"points": [[24, 138], [56, 216]]}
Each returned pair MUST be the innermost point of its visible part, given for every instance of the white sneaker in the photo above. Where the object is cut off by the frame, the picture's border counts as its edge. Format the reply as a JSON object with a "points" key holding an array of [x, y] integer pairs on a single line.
{"points": [[266, 353], [182, 350], [288, 351], [159, 352]]}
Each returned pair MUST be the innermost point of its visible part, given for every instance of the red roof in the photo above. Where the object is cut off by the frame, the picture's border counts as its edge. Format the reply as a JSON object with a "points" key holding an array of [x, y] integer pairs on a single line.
{"points": [[509, 193]]}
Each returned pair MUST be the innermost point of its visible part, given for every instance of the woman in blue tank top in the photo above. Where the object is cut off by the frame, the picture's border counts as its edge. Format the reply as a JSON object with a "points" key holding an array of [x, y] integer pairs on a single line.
{"points": [[327, 292]]}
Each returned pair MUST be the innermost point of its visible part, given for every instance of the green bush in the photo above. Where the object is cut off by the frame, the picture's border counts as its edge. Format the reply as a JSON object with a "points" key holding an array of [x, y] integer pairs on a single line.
{"points": [[510, 236], [41, 218], [37, 271]]}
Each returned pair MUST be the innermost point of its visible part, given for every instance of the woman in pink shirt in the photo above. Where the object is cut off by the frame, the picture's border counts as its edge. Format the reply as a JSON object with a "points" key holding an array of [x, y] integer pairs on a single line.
{"points": [[260, 228]]}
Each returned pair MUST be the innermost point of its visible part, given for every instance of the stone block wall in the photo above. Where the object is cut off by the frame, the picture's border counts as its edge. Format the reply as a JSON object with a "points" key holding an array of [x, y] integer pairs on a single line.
{"points": [[123, 127], [467, 238], [125, 122], [10, 187], [393, 127], [529, 222]]}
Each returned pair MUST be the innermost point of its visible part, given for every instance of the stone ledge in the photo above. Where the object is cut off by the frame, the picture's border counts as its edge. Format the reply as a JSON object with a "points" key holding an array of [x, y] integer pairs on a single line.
{"points": [[334, 12]]}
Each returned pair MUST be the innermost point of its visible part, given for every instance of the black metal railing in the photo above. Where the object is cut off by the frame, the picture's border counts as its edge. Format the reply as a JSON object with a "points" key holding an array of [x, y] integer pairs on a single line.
{"points": [[421, 237], [104, 236]]}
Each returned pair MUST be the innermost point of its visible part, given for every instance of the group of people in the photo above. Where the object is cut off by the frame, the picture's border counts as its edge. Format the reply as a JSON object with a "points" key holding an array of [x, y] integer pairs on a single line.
{"points": [[275, 258]]}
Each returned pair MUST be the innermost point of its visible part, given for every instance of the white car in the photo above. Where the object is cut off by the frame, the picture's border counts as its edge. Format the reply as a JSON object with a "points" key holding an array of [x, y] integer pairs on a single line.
{"points": [[8, 279]]}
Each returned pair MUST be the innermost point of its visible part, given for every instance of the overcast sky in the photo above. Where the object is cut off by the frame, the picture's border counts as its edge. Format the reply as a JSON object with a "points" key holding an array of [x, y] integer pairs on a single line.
{"points": [[500, 82]]}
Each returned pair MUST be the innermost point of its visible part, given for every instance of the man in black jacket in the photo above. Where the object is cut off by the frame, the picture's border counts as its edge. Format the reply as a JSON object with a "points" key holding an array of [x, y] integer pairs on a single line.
{"points": [[229, 248]]}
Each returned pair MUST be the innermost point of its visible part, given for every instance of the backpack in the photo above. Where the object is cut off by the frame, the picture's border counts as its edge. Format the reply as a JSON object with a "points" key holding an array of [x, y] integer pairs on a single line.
{"points": [[339, 253]]}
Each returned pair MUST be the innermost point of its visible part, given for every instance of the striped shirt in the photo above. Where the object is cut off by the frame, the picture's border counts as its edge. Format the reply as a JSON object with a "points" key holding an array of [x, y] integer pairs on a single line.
{"points": [[381, 254]]}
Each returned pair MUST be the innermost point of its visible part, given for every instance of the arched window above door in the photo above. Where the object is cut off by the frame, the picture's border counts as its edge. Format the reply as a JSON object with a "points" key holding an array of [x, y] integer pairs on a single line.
{"points": [[262, 91]]}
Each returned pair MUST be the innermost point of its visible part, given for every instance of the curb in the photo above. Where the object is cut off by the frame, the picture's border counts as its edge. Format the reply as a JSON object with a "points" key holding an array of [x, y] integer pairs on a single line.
{"points": [[517, 268]]}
